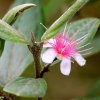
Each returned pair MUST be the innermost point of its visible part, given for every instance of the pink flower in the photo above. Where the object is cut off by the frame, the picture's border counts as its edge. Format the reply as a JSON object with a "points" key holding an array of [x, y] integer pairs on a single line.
{"points": [[64, 48]]}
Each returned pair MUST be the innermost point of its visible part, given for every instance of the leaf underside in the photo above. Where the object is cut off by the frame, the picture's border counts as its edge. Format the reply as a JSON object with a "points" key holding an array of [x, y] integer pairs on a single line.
{"points": [[16, 57]]}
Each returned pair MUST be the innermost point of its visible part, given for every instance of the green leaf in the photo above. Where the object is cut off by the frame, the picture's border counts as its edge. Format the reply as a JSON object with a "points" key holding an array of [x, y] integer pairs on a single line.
{"points": [[56, 26], [85, 26], [12, 14], [9, 33], [96, 45], [11, 17], [27, 87], [51, 11], [16, 58], [31, 19]]}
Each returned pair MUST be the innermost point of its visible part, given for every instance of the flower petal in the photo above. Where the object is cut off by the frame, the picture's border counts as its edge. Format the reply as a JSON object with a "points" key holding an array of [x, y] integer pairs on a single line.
{"points": [[65, 66], [48, 56], [48, 43], [79, 59]]}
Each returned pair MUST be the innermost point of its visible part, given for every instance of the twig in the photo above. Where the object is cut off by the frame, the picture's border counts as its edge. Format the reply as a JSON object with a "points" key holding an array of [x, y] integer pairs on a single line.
{"points": [[45, 69]]}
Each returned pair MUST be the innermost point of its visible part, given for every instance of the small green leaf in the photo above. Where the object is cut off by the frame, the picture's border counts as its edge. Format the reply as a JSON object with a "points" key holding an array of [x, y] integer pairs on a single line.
{"points": [[14, 12], [56, 26], [9, 33], [85, 26], [26, 87]]}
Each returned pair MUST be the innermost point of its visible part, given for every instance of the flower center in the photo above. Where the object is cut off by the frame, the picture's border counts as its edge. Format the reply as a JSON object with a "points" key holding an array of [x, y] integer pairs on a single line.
{"points": [[64, 46]]}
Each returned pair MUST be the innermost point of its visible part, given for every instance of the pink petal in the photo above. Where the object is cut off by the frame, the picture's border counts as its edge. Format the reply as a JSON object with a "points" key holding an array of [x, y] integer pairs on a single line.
{"points": [[79, 59], [65, 66], [48, 56], [49, 42]]}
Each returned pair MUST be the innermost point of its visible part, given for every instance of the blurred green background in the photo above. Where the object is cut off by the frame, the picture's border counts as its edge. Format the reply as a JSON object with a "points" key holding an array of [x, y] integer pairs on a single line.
{"points": [[83, 81]]}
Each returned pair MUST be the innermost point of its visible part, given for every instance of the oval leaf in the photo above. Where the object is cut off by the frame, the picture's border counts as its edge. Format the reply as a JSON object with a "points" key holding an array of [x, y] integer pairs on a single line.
{"points": [[9, 33], [87, 26], [14, 12], [26, 87]]}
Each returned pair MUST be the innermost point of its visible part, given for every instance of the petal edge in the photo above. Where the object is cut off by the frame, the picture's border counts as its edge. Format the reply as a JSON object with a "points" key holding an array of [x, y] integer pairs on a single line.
{"points": [[79, 59], [48, 56], [65, 66]]}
